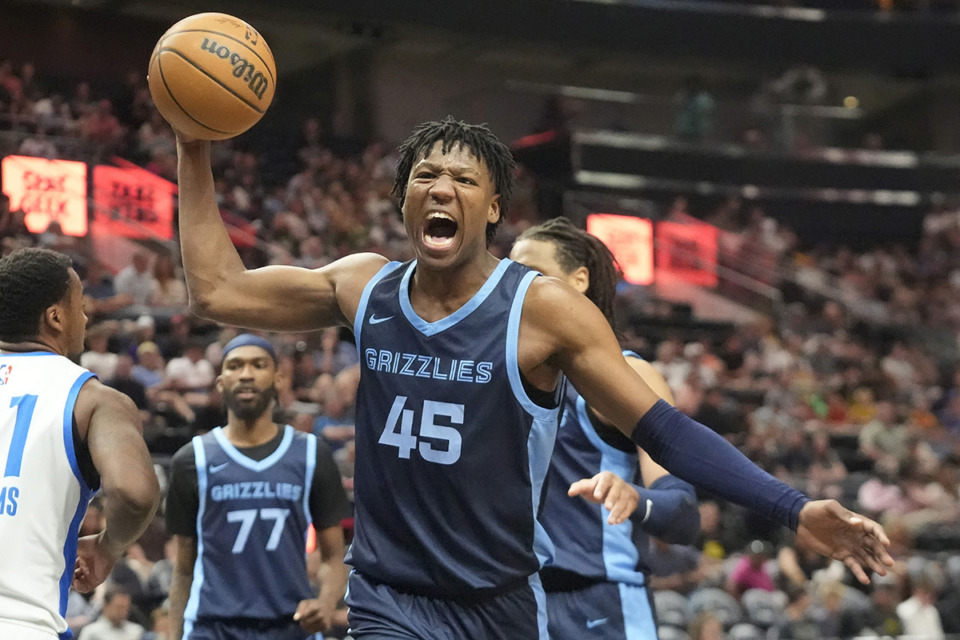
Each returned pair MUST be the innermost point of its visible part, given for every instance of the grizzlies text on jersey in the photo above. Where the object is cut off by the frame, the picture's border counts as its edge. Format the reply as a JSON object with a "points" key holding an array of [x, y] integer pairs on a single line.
{"points": [[452, 453]]}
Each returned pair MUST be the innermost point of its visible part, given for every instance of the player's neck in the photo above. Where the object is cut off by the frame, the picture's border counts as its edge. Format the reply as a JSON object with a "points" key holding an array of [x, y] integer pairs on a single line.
{"points": [[250, 433], [435, 294], [26, 346]]}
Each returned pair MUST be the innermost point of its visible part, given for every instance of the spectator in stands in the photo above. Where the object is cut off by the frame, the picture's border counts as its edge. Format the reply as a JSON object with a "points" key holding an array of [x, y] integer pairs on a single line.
{"points": [[881, 618], [750, 571], [677, 567], [693, 121], [101, 127], [97, 358], [174, 342], [799, 622], [113, 623], [135, 280], [706, 626], [12, 223], [918, 612], [169, 289], [334, 354], [826, 470], [159, 625], [150, 368], [884, 437], [122, 380]]}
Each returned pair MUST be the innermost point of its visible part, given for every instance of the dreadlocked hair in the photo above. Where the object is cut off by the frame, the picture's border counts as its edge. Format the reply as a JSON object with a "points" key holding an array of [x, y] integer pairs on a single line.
{"points": [[31, 281], [478, 139], [576, 248]]}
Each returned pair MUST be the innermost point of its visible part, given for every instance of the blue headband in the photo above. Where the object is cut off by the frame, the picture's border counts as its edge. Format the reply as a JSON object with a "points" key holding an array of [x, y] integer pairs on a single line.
{"points": [[248, 339]]}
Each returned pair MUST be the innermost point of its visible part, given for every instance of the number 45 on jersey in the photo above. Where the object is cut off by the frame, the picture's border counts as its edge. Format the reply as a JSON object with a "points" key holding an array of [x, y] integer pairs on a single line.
{"points": [[398, 431]]}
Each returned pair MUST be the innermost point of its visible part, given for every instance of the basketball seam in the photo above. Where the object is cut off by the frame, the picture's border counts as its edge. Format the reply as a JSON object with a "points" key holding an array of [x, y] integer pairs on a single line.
{"points": [[238, 41], [204, 72], [177, 102]]}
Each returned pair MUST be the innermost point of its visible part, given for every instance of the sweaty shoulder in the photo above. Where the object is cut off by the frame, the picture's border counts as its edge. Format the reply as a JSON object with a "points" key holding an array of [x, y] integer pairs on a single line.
{"points": [[350, 275], [555, 316], [96, 395]]}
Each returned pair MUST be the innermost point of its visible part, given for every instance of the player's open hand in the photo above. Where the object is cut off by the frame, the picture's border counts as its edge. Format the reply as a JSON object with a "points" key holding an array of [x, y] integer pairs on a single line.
{"points": [[607, 488], [313, 615], [860, 543], [93, 564]]}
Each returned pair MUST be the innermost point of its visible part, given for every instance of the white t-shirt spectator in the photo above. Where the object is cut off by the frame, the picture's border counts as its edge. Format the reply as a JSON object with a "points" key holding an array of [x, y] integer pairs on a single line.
{"points": [[190, 375]]}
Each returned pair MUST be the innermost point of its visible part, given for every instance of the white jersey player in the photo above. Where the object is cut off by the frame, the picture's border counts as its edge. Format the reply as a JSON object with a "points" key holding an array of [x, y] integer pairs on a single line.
{"points": [[63, 436]]}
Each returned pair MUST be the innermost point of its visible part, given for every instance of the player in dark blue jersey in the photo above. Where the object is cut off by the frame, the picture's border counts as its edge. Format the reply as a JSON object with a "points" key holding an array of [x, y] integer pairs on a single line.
{"points": [[241, 500], [596, 585], [431, 381]]}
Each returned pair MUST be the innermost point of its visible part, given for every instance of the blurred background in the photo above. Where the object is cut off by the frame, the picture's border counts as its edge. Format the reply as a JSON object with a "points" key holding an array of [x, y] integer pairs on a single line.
{"points": [[779, 179]]}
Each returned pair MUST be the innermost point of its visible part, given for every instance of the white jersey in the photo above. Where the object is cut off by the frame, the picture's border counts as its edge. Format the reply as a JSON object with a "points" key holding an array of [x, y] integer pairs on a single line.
{"points": [[43, 496]]}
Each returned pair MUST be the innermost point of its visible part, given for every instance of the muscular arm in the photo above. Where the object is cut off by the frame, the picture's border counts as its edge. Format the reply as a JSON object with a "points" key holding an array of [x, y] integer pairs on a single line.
{"points": [[561, 330], [110, 423], [276, 298], [186, 557]]}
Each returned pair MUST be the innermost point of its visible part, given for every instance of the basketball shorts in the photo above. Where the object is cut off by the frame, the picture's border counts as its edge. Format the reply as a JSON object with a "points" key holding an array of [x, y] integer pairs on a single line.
{"points": [[245, 629], [380, 612], [601, 611]]}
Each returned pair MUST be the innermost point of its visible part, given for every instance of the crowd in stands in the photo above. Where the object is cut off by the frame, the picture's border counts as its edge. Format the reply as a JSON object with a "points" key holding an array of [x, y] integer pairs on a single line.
{"points": [[815, 394]]}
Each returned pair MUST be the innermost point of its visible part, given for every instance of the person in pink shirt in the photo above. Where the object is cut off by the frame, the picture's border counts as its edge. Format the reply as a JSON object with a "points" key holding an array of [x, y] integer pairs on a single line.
{"points": [[750, 571]]}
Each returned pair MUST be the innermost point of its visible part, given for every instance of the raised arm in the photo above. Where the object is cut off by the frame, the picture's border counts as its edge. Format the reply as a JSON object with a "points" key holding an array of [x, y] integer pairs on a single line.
{"points": [[275, 298], [110, 423]]}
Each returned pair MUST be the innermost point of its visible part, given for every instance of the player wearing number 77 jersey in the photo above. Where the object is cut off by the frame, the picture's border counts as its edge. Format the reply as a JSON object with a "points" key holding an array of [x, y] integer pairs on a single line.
{"points": [[240, 501], [63, 435]]}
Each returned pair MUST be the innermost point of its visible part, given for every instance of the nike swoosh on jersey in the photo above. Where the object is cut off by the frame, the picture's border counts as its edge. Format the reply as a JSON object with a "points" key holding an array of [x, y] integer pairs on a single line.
{"points": [[596, 623], [218, 467], [375, 320], [649, 509]]}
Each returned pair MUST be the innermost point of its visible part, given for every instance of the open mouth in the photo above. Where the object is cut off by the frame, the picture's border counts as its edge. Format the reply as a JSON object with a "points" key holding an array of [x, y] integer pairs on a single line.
{"points": [[439, 230]]}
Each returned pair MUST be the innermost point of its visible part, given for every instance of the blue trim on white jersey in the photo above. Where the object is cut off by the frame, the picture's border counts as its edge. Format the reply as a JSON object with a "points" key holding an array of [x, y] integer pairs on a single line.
{"points": [[365, 297], [433, 328], [638, 622], [193, 602], [68, 442], [250, 463], [541, 597], [28, 354], [308, 482], [70, 546]]}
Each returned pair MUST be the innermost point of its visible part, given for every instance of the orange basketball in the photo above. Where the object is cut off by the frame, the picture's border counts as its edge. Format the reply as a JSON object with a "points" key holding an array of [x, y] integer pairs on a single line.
{"points": [[212, 76]]}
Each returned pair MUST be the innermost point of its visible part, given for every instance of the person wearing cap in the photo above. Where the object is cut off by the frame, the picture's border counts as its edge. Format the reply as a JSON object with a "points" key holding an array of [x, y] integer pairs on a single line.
{"points": [[241, 500]]}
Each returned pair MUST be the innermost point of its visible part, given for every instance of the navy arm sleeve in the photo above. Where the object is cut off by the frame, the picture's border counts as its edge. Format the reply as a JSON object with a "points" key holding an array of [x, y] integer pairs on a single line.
{"points": [[328, 500], [183, 494], [668, 510], [694, 453]]}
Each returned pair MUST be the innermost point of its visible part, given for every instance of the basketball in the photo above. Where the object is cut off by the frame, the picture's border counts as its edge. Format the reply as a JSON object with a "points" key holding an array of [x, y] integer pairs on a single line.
{"points": [[212, 76]]}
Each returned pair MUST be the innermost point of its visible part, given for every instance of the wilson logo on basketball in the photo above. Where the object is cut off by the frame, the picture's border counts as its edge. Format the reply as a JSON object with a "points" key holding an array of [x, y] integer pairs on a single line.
{"points": [[242, 68]]}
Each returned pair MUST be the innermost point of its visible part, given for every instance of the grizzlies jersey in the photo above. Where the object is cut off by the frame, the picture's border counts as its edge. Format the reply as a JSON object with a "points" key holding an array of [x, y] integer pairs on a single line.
{"points": [[451, 451], [43, 496], [251, 529], [585, 543]]}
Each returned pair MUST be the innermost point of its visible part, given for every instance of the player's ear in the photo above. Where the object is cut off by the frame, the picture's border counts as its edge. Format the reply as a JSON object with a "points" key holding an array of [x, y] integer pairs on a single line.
{"points": [[493, 215], [219, 383], [579, 279], [55, 317]]}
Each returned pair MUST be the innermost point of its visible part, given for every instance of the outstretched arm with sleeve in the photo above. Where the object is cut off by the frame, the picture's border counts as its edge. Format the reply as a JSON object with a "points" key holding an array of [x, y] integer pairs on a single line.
{"points": [[562, 331]]}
